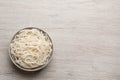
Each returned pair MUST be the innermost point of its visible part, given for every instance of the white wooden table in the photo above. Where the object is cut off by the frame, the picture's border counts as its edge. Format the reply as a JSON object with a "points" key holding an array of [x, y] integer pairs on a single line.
{"points": [[85, 33]]}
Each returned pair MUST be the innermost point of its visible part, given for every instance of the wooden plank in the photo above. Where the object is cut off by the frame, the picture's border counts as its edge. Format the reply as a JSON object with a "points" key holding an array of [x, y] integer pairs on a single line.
{"points": [[85, 33]]}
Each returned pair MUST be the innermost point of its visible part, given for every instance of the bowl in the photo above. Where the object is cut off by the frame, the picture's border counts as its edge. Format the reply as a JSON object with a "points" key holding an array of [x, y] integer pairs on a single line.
{"points": [[36, 68]]}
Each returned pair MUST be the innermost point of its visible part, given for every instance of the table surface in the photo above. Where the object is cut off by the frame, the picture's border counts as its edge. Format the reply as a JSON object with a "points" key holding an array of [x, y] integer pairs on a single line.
{"points": [[85, 34]]}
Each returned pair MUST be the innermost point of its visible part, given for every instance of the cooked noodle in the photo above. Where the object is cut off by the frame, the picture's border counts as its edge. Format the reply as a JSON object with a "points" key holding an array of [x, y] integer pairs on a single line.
{"points": [[31, 48]]}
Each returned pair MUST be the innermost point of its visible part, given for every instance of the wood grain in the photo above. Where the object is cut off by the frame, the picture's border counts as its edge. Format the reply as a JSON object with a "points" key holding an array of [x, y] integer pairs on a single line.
{"points": [[85, 33]]}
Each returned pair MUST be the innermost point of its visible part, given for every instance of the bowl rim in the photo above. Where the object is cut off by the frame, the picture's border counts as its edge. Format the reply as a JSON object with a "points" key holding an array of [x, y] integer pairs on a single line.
{"points": [[31, 69]]}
